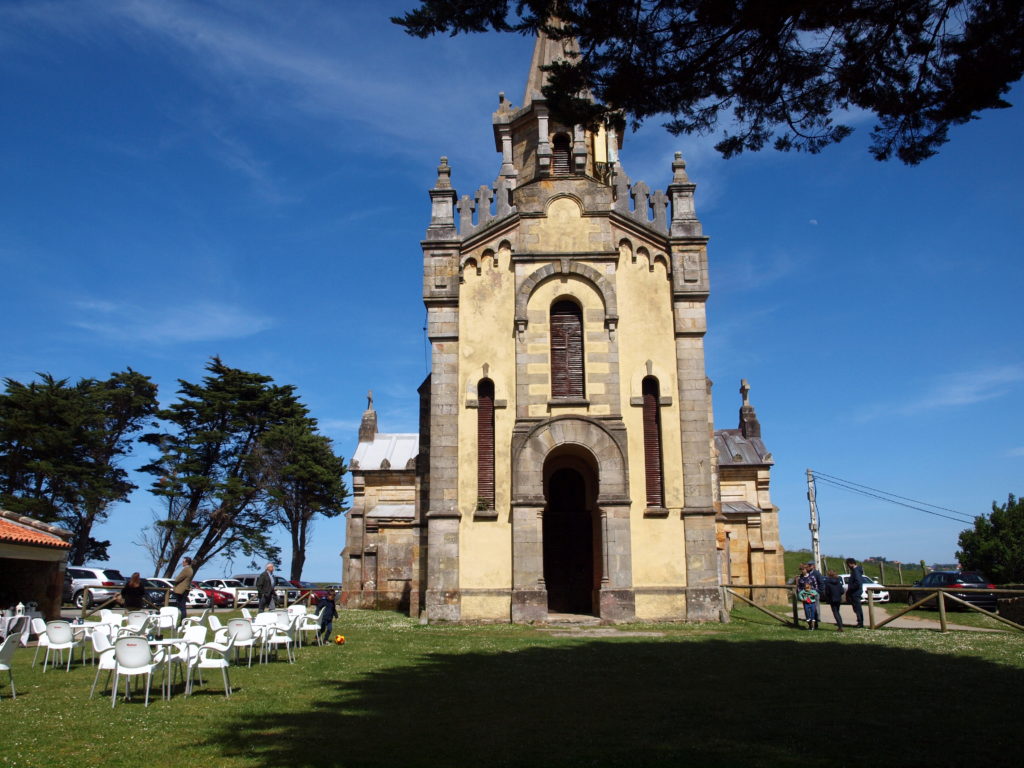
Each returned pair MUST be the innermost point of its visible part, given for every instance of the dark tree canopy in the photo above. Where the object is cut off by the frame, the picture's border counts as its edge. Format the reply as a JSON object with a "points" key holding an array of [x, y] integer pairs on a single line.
{"points": [[996, 543], [301, 478], [207, 471], [782, 72], [60, 445]]}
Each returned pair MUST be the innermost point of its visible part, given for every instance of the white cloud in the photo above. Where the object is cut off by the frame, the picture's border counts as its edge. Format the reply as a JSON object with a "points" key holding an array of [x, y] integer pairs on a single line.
{"points": [[198, 321], [1014, 452], [953, 390]]}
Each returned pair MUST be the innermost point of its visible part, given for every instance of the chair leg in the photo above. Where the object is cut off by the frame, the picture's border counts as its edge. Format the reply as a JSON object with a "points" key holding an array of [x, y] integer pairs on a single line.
{"points": [[36, 654], [14, 693], [94, 681], [227, 686], [149, 682], [113, 691]]}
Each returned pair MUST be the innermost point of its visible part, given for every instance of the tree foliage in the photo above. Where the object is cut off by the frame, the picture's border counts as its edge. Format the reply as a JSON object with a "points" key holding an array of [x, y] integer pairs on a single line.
{"points": [[60, 445], [779, 72], [996, 543], [207, 471], [302, 478]]}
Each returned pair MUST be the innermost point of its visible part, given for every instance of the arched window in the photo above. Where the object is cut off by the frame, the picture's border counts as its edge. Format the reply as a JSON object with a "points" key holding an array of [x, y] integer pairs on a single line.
{"points": [[652, 442], [560, 149], [485, 444], [566, 350]]}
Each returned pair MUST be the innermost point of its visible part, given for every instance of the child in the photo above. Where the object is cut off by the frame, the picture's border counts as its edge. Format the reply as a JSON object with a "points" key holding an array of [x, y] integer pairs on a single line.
{"points": [[327, 611], [809, 597]]}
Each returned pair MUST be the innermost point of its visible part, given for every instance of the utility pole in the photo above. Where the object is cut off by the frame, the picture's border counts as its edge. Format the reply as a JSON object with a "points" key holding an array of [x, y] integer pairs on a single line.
{"points": [[815, 541]]}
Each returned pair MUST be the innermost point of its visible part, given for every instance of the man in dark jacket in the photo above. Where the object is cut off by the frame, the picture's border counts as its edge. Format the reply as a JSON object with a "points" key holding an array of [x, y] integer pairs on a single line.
{"points": [[265, 589], [855, 590], [328, 613], [182, 584]]}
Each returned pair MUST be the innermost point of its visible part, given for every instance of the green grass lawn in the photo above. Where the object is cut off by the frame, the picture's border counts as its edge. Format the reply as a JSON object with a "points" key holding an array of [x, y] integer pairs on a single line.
{"points": [[404, 694]]}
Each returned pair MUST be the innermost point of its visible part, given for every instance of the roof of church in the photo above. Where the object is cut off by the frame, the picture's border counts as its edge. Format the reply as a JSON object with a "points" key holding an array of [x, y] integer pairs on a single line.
{"points": [[387, 451], [19, 529], [736, 450]]}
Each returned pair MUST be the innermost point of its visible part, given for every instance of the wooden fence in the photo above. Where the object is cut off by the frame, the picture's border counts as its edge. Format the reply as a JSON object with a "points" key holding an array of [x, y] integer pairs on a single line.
{"points": [[941, 595]]}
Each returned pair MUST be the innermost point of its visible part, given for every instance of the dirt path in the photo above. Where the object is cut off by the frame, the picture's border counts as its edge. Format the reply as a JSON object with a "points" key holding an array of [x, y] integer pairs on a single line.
{"points": [[903, 622]]}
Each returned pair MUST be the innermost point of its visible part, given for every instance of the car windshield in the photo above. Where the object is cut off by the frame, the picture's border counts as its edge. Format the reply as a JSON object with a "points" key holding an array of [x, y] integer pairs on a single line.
{"points": [[280, 581], [869, 580], [971, 578], [231, 582], [112, 574]]}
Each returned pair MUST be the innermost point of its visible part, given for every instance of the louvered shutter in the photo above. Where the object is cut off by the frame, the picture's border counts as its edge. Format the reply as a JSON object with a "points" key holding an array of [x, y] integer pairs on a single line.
{"points": [[560, 155], [652, 443], [566, 350], [485, 443]]}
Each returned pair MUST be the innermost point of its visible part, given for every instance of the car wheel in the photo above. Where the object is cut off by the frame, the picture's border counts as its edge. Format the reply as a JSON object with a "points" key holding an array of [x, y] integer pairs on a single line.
{"points": [[79, 600]]}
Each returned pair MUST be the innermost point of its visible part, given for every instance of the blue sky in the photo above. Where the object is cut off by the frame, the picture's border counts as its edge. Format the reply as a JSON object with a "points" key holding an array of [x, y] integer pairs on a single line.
{"points": [[188, 179]]}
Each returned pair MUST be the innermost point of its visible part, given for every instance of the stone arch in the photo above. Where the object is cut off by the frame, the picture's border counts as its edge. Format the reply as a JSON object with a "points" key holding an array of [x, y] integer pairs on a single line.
{"points": [[468, 263], [626, 253], [555, 199], [584, 272], [608, 449], [658, 371]]}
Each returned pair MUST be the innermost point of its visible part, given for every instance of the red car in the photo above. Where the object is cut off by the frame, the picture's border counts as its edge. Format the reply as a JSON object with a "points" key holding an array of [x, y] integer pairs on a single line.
{"points": [[306, 587], [218, 599]]}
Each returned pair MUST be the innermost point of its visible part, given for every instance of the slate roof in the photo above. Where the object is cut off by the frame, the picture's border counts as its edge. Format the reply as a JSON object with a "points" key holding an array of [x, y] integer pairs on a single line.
{"points": [[735, 450], [19, 529], [398, 450]]}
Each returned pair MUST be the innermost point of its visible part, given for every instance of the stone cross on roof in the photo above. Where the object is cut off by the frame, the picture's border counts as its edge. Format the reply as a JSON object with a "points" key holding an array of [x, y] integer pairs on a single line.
{"points": [[745, 391]]}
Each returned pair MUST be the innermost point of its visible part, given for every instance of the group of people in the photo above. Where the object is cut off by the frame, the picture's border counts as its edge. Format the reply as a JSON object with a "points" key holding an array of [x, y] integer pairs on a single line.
{"points": [[133, 592], [813, 589]]}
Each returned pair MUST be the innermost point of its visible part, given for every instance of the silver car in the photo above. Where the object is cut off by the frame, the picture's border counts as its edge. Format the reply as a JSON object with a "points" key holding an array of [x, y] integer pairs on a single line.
{"points": [[91, 586]]}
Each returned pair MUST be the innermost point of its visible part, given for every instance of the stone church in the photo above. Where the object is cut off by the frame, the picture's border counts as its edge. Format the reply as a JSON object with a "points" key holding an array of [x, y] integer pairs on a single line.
{"points": [[567, 461]]}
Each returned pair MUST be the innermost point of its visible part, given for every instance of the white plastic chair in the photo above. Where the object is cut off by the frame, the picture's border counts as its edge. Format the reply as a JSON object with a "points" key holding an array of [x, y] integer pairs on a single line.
{"points": [[169, 618], [187, 648], [212, 656], [110, 617], [104, 651], [242, 634], [61, 638], [7, 648], [310, 622], [281, 635], [196, 619], [132, 656], [218, 628], [42, 641]]}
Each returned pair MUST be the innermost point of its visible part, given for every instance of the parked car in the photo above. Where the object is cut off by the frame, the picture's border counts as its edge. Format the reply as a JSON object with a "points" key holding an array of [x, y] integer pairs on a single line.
{"points": [[879, 593], [306, 587], [952, 580], [196, 597], [95, 585], [282, 588], [228, 586], [154, 591], [218, 599]]}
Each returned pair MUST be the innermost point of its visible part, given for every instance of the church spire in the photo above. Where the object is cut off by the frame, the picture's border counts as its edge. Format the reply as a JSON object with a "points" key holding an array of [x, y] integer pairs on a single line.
{"points": [[368, 426], [545, 53]]}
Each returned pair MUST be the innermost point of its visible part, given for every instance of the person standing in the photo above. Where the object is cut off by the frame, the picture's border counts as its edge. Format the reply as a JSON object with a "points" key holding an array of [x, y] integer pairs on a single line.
{"points": [[328, 613], [833, 595], [809, 597], [265, 589], [182, 584], [817, 583], [855, 590]]}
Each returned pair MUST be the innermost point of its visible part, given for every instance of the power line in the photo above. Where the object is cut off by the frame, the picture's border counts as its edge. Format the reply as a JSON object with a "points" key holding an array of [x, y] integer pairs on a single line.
{"points": [[964, 519], [895, 496]]}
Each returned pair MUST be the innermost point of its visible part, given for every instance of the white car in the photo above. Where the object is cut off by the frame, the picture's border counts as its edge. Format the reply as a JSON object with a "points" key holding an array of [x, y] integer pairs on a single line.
{"points": [[196, 597], [879, 593]]}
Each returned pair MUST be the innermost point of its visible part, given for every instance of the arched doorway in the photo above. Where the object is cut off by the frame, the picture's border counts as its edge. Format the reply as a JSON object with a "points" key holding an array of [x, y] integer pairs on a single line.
{"points": [[571, 536]]}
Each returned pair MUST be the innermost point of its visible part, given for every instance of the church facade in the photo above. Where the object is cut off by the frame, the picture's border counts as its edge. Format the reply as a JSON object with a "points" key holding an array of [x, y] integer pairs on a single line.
{"points": [[567, 461]]}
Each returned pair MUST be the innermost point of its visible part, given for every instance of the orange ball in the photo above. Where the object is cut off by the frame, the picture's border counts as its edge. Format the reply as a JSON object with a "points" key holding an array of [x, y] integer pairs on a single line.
{"points": [[339, 639]]}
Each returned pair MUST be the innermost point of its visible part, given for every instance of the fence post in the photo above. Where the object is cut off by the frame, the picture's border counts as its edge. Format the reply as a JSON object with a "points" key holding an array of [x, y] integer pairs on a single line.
{"points": [[899, 571], [881, 571], [871, 609], [942, 610], [796, 617]]}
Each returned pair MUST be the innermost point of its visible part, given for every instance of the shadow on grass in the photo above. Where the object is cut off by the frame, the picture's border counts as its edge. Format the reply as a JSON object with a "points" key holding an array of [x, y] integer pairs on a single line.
{"points": [[652, 703]]}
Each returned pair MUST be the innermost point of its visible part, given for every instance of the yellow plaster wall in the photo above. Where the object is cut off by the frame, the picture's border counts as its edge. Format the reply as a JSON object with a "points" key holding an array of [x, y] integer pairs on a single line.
{"points": [[645, 333], [486, 607], [660, 607], [485, 321]]}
